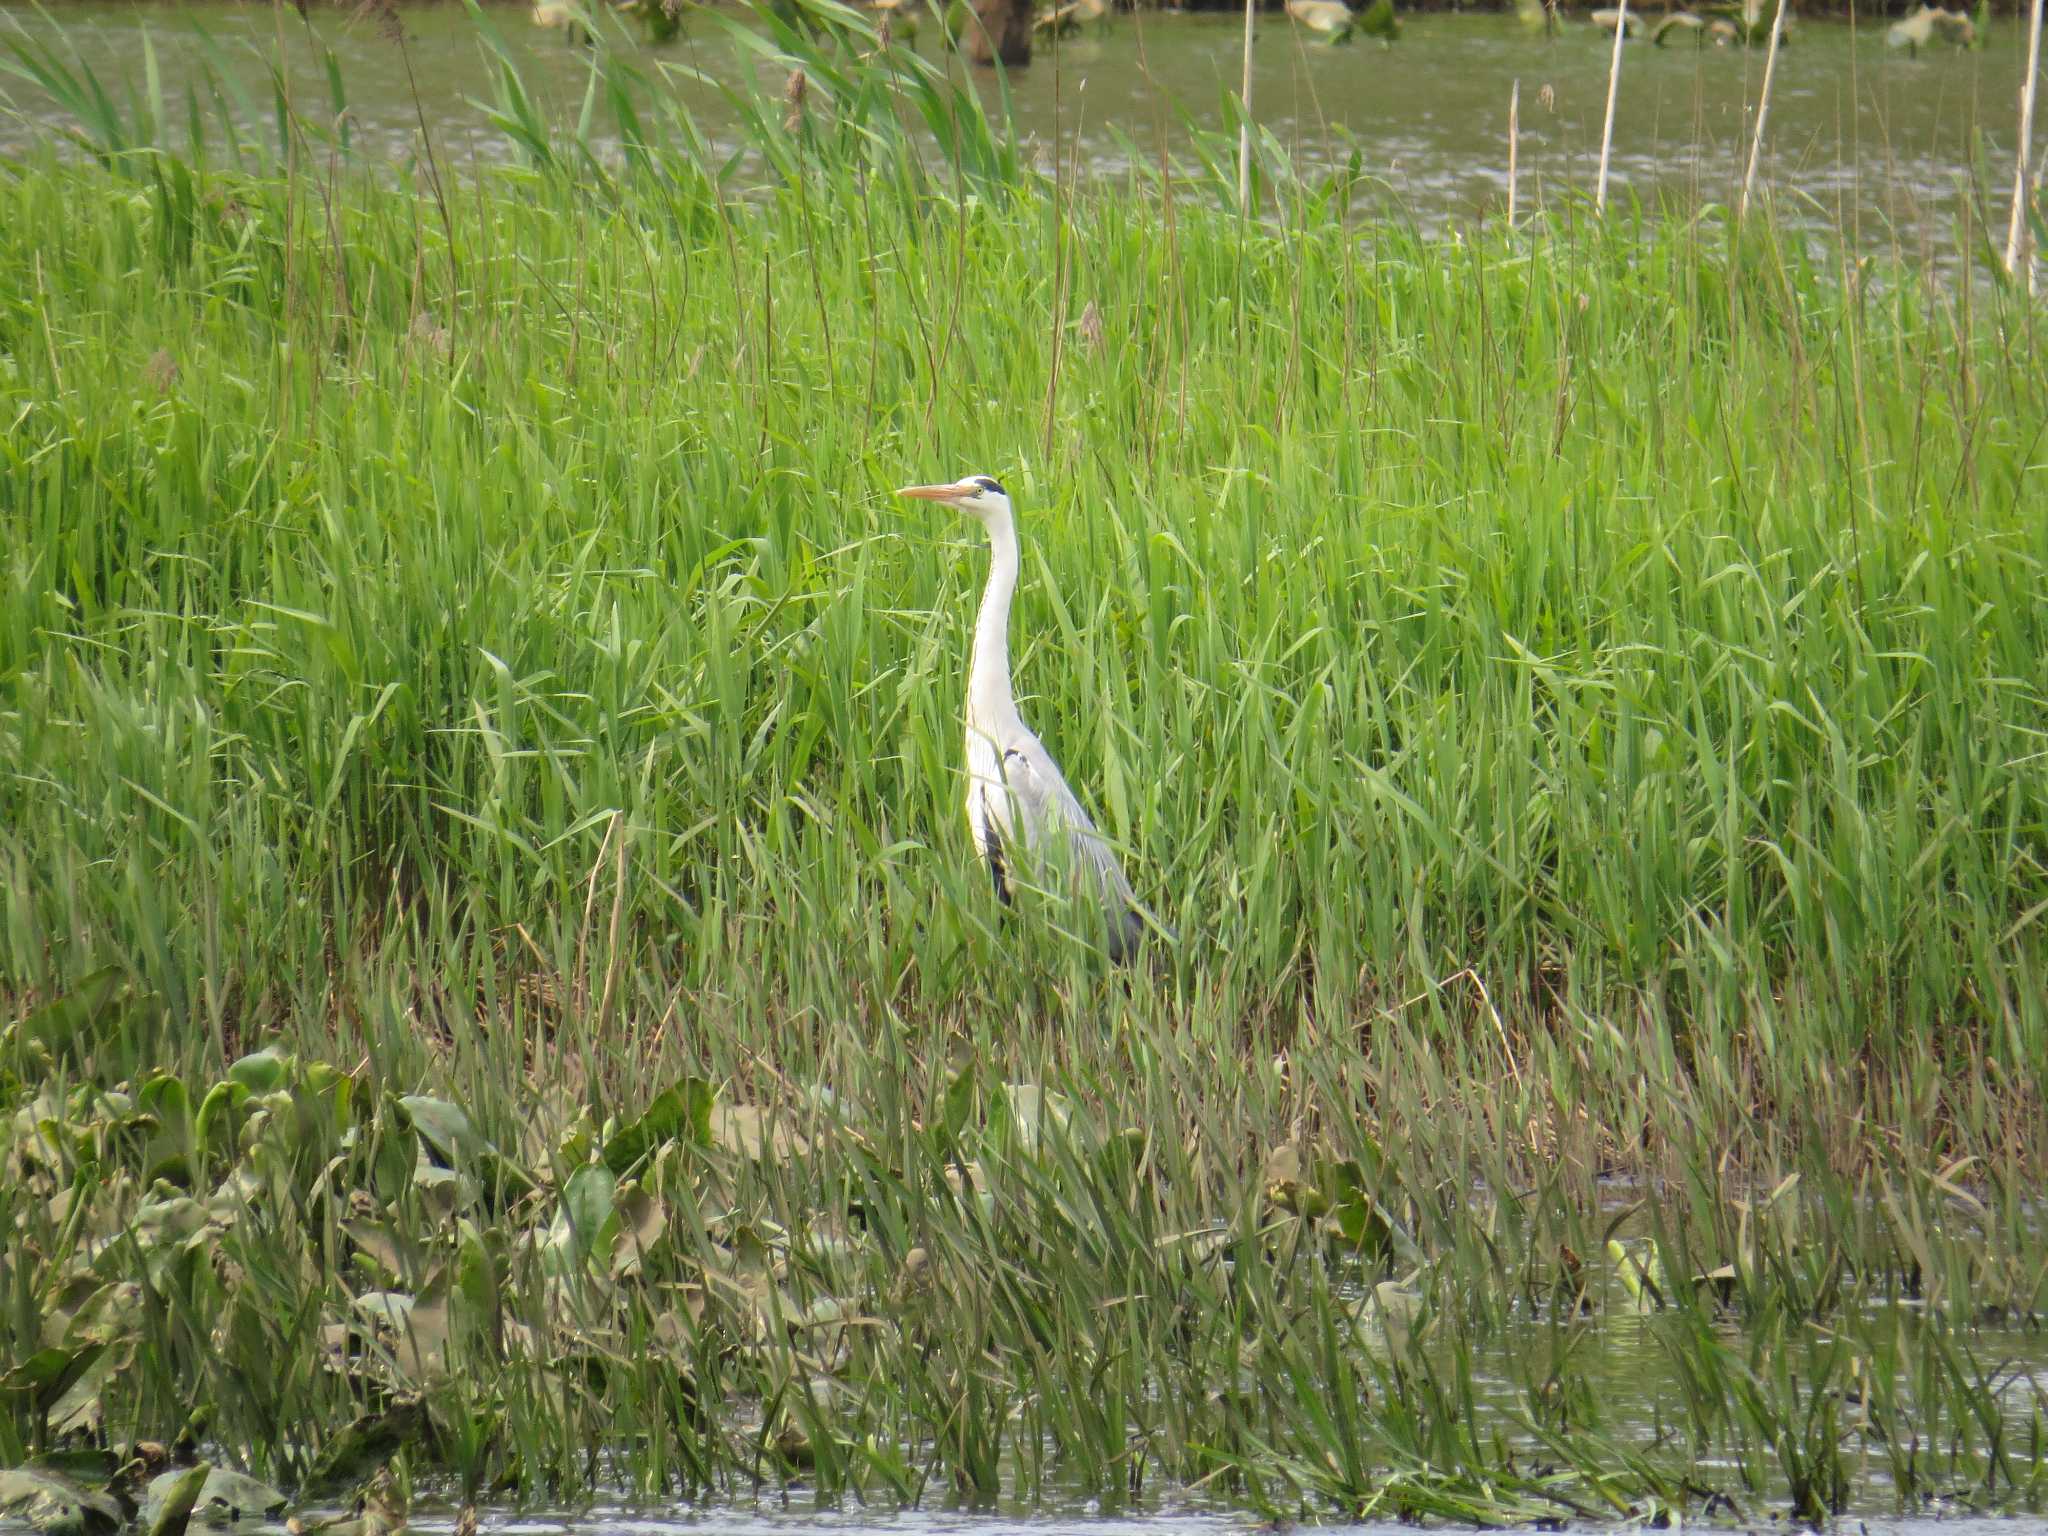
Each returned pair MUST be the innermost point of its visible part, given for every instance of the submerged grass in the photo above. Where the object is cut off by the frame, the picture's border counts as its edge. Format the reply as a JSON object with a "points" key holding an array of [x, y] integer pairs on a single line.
{"points": [[1579, 695]]}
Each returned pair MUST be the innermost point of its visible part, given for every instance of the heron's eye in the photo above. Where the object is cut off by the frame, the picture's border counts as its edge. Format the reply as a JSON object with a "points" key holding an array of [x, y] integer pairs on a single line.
{"points": [[987, 484]]}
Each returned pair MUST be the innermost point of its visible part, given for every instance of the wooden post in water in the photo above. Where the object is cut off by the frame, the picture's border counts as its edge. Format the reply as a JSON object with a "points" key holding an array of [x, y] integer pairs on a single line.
{"points": [[2018, 248], [1763, 108], [1514, 143], [1613, 89], [1244, 129]]}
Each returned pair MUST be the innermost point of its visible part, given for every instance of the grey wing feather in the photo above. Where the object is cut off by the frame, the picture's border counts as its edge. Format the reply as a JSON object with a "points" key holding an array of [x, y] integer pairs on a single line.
{"points": [[1045, 805]]}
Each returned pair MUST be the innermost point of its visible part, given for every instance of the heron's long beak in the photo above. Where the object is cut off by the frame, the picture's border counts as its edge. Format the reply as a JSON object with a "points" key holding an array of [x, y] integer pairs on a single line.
{"points": [[951, 492]]}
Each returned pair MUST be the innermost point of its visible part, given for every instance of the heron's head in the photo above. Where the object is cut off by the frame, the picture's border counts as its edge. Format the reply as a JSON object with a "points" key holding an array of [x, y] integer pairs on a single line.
{"points": [[979, 496]]}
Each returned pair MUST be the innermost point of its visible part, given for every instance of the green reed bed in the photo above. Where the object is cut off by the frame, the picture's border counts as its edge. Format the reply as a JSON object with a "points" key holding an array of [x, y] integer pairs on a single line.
{"points": [[1577, 692]]}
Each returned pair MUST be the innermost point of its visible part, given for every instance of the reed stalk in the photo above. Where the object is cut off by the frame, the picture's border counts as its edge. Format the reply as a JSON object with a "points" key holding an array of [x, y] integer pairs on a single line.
{"points": [[2018, 246], [1244, 130], [1763, 108], [1613, 93], [1514, 147]]}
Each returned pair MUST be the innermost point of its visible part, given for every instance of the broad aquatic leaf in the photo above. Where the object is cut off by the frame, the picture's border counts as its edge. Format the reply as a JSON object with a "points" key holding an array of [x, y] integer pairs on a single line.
{"points": [[422, 1346], [228, 1498], [762, 1135], [394, 1154], [1289, 1183], [364, 1446], [55, 1504], [1641, 1270], [112, 1312], [164, 1098], [261, 1072], [587, 1217], [167, 1219], [73, 1018], [447, 1131], [443, 1127], [388, 1309], [681, 1112], [217, 1110], [48, 1373], [1031, 1110], [478, 1277], [958, 1107], [414, 1328], [168, 1502], [1391, 1319], [323, 1081], [79, 1409], [376, 1242], [643, 1220], [443, 1192], [1355, 1217]]}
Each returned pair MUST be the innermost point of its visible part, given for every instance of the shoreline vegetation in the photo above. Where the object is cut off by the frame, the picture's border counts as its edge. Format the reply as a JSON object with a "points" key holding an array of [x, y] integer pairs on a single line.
{"points": [[1883, 10], [497, 1003]]}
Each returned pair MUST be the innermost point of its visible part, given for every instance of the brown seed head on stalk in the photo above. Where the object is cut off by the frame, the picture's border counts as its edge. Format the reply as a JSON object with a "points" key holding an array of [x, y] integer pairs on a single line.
{"points": [[1091, 326], [793, 95], [161, 371], [385, 14]]}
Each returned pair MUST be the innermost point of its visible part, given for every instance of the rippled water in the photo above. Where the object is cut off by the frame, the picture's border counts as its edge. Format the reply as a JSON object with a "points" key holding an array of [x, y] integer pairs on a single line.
{"points": [[1862, 137], [1619, 1357]]}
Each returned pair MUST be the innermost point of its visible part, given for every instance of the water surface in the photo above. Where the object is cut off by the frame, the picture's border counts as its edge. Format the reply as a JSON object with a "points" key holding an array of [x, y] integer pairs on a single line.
{"points": [[1862, 137]]}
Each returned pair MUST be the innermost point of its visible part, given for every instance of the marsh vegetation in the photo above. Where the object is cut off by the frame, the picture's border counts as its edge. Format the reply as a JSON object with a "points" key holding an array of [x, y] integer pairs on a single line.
{"points": [[501, 1003]]}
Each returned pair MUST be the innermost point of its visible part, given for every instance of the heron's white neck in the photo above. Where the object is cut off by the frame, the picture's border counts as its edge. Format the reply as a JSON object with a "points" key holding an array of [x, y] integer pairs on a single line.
{"points": [[989, 701]]}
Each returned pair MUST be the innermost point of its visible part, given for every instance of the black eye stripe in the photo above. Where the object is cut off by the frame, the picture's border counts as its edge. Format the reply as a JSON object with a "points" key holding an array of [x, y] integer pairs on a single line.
{"points": [[987, 484]]}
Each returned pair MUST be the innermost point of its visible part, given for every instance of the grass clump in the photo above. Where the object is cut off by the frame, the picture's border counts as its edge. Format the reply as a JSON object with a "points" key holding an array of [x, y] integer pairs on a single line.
{"points": [[490, 941]]}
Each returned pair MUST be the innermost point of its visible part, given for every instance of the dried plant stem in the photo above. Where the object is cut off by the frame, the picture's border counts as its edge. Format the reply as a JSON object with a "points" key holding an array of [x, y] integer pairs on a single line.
{"points": [[2017, 246], [1763, 108], [1514, 145], [1244, 129], [1613, 90]]}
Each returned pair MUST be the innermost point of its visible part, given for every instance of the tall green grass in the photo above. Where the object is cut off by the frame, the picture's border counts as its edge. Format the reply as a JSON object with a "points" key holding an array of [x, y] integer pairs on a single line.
{"points": [[1629, 629], [1578, 693]]}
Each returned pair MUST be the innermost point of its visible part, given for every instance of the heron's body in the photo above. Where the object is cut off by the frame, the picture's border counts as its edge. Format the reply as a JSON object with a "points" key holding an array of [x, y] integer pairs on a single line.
{"points": [[1017, 799]]}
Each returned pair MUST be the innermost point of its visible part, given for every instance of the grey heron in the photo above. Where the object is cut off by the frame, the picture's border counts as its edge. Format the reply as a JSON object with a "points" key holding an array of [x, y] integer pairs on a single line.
{"points": [[1017, 798]]}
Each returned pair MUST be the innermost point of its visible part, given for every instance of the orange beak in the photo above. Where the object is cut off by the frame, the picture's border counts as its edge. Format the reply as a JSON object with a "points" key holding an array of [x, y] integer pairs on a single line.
{"points": [[951, 492]]}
